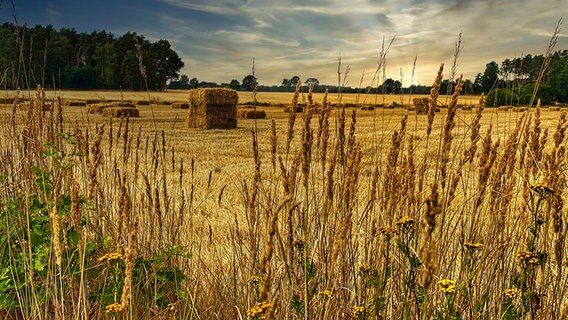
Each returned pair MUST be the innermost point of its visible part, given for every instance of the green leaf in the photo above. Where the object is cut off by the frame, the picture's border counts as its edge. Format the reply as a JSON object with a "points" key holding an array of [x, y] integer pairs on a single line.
{"points": [[73, 237], [297, 305]]}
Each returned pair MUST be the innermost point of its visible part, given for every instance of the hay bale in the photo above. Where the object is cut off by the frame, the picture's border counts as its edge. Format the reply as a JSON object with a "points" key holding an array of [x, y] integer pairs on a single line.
{"points": [[251, 114], [212, 108], [98, 108], [421, 105], [123, 104], [180, 105], [504, 108], [7, 100], [93, 101], [120, 112], [467, 108], [288, 109], [520, 109], [74, 103], [411, 108], [367, 108], [164, 102], [142, 103]]}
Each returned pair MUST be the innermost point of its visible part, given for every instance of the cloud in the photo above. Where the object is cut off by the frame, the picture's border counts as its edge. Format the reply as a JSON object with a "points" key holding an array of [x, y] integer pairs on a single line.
{"points": [[218, 38]]}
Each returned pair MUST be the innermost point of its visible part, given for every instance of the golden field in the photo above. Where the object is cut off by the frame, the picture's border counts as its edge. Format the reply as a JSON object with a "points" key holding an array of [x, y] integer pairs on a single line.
{"points": [[382, 214]]}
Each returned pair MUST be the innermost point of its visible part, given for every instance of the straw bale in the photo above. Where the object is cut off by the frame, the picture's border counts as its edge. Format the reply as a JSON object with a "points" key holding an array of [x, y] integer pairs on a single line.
{"points": [[120, 112], [7, 100], [93, 101], [554, 108], [123, 104], [251, 114], [142, 103], [519, 109], [504, 108], [212, 108], [289, 109], [74, 103], [467, 108], [367, 108], [98, 108], [180, 105]]}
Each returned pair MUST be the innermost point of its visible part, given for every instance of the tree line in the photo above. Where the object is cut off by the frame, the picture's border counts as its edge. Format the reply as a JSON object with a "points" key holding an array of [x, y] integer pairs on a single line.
{"points": [[65, 58]]}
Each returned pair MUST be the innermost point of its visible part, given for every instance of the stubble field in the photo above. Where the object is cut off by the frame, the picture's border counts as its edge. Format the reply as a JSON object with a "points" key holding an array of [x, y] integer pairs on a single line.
{"points": [[347, 213]]}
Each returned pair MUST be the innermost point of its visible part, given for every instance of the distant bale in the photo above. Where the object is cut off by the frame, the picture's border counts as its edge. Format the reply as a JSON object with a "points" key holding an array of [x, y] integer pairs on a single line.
{"points": [[120, 112], [7, 100], [180, 105], [164, 102], [299, 109], [25, 106], [504, 108], [554, 109], [142, 103], [520, 109], [212, 108], [421, 105], [411, 108], [251, 114], [367, 108], [74, 103], [98, 108], [93, 101], [123, 104], [466, 108]]}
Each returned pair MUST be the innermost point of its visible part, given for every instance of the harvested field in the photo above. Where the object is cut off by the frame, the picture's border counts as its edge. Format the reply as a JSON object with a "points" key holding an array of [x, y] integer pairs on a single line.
{"points": [[121, 112]]}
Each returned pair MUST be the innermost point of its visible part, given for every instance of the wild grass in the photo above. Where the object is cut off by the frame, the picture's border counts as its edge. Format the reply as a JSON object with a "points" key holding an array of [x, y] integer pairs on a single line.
{"points": [[380, 214]]}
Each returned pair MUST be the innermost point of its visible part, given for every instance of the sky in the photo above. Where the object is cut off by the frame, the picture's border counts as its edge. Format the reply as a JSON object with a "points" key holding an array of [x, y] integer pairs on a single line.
{"points": [[218, 39]]}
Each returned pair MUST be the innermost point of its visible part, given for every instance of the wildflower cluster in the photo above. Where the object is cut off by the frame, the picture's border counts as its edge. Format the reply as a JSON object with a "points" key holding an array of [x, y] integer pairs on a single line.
{"points": [[447, 286], [406, 222], [113, 256], [512, 293], [258, 310], [364, 268], [542, 189], [525, 256], [299, 244], [253, 279], [114, 308], [326, 293], [474, 246], [358, 310]]}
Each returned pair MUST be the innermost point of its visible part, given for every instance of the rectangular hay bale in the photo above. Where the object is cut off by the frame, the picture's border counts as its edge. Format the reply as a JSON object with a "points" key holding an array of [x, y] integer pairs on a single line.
{"points": [[120, 112], [180, 105], [251, 114], [212, 108]]}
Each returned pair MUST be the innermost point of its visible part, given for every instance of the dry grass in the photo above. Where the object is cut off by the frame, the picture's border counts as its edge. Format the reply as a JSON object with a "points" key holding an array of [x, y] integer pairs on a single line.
{"points": [[332, 215]]}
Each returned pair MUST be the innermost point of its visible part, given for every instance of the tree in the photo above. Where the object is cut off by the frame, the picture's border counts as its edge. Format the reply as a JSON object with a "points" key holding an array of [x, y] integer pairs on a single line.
{"points": [[558, 81], [312, 80], [293, 81], [164, 64], [489, 77], [249, 83], [193, 83], [235, 85]]}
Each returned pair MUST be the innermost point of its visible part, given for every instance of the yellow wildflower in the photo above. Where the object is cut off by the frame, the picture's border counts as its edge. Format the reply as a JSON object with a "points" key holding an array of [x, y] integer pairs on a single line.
{"points": [[364, 268], [406, 221], [110, 257], [299, 243], [524, 256], [258, 310], [447, 285], [253, 279], [542, 189], [474, 246], [171, 306], [326, 293], [358, 310], [114, 308], [512, 293]]}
